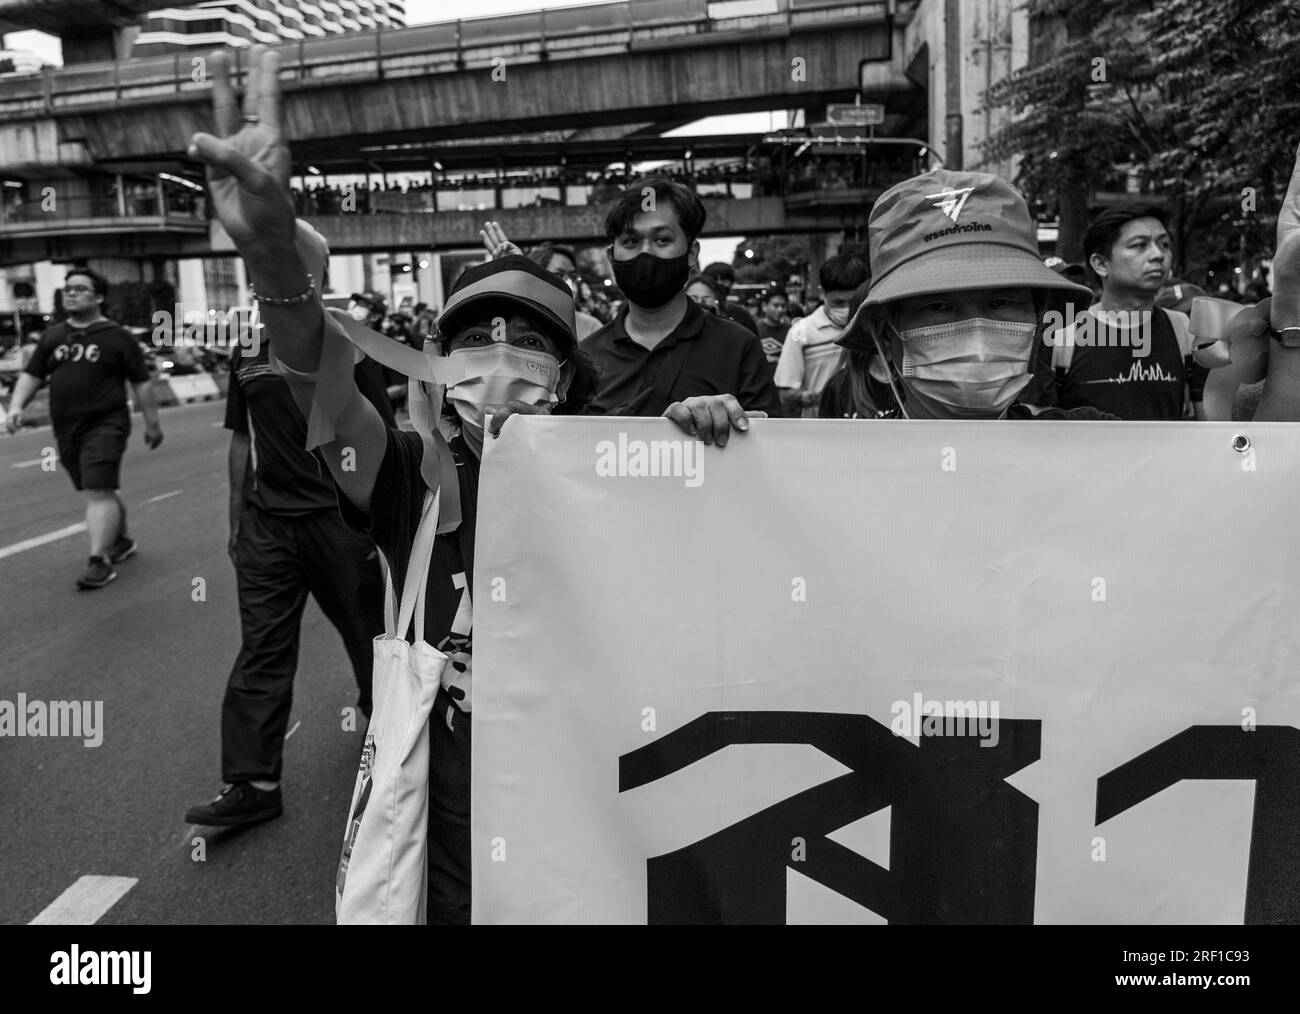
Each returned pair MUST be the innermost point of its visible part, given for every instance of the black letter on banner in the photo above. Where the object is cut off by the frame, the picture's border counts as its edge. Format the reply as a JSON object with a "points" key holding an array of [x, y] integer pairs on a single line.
{"points": [[1271, 756], [962, 846]]}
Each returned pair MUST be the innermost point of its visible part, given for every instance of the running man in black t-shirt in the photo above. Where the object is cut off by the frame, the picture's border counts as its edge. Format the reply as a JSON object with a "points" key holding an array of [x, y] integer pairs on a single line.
{"points": [[87, 361]]}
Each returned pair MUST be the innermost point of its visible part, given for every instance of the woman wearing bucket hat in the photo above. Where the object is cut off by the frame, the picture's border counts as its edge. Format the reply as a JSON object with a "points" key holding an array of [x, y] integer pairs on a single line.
{"points": [[505, 338], [959, 298]]}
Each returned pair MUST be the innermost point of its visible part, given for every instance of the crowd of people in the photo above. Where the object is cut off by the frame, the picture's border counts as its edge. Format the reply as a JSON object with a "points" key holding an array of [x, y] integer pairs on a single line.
{"points": [[952, 315], [761, 176]]}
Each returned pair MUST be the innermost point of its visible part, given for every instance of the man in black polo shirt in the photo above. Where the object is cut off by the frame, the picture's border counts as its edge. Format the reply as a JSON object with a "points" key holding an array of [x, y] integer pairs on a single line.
{"points": [[287, 538], [88, 360], [663, 348]]}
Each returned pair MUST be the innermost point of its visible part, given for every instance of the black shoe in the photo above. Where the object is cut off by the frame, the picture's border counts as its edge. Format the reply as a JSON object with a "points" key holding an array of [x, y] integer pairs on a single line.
{"points": [[122, 549], [238, 804], [98, 573]]}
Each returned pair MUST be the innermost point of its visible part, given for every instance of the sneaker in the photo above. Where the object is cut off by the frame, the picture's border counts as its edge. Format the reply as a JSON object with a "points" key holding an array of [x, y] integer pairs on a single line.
{"points": [[98, 573], [238, 804], [123, 548]]}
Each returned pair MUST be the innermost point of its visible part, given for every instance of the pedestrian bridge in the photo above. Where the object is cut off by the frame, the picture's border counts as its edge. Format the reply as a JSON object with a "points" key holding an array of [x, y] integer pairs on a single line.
{"points": [[658, 61]]}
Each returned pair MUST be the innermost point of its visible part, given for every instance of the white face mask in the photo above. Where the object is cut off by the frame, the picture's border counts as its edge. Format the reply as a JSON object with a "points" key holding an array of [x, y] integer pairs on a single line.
{"points": [[496, 374], [839, 316], [358, 312], [969, 369]]}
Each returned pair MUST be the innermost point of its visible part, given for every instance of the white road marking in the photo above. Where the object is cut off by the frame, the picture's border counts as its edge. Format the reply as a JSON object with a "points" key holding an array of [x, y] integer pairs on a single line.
{"points": [[28, 464], [163, 496], [40, 540], [292, 731], [85, 902]]}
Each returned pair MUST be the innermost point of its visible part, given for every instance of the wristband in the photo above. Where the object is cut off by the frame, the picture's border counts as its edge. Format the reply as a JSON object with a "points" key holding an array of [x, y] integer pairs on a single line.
{"points": [[302, 297]]}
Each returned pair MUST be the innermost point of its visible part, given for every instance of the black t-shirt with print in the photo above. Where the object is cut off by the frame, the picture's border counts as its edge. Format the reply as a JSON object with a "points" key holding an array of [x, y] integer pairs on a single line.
{"points": [[87, 368], [396, 504], [283, 478], [1107, 376]]}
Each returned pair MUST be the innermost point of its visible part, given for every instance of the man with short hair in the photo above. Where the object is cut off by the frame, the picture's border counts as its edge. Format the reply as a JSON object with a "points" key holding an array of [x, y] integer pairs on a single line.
{"points": [[724, 277], [1125, 356], [88, 359], [773, 324], [809, 356], [662, 348], [287, 540]]}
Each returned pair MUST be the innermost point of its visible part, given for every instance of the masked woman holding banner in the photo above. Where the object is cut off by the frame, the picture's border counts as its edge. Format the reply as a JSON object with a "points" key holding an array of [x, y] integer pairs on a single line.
{"points": [[505, 338]]}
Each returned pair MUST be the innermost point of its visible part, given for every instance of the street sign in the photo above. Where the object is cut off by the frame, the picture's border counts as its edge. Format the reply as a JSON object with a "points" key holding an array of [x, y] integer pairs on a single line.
{"points": [[867, 115]]}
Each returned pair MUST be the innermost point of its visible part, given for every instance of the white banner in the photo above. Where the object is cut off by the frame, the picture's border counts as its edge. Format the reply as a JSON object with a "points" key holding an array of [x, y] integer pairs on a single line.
{"points": [[707, 679]]}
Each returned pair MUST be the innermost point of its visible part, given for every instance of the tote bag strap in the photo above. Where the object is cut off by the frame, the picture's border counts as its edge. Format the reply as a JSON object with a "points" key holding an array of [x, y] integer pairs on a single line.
{"points": [[417, 568], [390, 599]]}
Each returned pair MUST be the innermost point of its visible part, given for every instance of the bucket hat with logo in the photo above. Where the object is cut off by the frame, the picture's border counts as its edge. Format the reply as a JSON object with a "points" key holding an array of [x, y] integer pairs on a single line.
{"points": [[947, 231]]}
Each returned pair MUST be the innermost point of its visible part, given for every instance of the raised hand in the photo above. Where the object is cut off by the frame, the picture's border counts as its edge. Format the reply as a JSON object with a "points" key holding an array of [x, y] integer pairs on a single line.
{"points": [[249, 164], [496, 243]]}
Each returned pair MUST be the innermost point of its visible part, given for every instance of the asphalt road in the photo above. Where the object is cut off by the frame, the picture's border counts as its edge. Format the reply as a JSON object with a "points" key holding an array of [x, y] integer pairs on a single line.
{"points": [[158, 660]]}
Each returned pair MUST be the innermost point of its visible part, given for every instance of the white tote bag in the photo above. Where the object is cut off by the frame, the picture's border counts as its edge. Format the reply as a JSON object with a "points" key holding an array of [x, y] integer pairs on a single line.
{"points": [[384, 867]]}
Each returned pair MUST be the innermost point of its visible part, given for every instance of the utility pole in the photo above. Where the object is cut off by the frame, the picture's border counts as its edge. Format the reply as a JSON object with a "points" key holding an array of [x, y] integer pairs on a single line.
{"points": [[952, 84]]}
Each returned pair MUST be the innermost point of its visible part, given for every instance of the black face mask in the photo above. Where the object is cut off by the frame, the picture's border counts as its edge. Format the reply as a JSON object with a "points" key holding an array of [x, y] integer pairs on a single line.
{"points": [[650, 281]]}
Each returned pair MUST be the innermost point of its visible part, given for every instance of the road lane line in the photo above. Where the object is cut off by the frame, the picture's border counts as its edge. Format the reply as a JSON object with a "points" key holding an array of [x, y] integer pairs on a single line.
{"points": [[292, 731], [85, 902], [28, 464], [40, 540], [163, 496]]}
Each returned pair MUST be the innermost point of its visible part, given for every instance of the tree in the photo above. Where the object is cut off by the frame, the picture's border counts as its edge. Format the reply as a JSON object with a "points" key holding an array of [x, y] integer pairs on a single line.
{"points": [[775, 258], [1197, 99]]}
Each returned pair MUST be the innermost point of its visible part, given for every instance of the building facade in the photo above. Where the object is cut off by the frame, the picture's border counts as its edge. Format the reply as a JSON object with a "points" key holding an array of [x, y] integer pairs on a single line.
{"points": [[248, 22]]}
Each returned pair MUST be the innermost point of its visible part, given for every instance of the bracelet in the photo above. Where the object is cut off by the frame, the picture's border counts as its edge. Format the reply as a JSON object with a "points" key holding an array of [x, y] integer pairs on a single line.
{"points": [[302, 297]]}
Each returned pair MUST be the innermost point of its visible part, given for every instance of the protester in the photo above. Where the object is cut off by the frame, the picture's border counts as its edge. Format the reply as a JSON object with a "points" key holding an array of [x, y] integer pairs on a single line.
{"points": [[724, 277], [704, 292], [1124, 356], [561, 262], [663, 347], [88, 359], [954, 307], [529, 364], [773, 323], [794, 297], [859, 389], [286, 540], [809, 355]]}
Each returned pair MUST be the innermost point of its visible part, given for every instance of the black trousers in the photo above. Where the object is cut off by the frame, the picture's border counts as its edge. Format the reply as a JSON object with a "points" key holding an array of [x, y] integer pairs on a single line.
{"points": [[278, 560]]}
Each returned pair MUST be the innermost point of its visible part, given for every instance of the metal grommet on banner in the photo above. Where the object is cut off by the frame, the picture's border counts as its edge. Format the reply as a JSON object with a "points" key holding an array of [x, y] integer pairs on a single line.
{"points": [[1241, 443]]}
